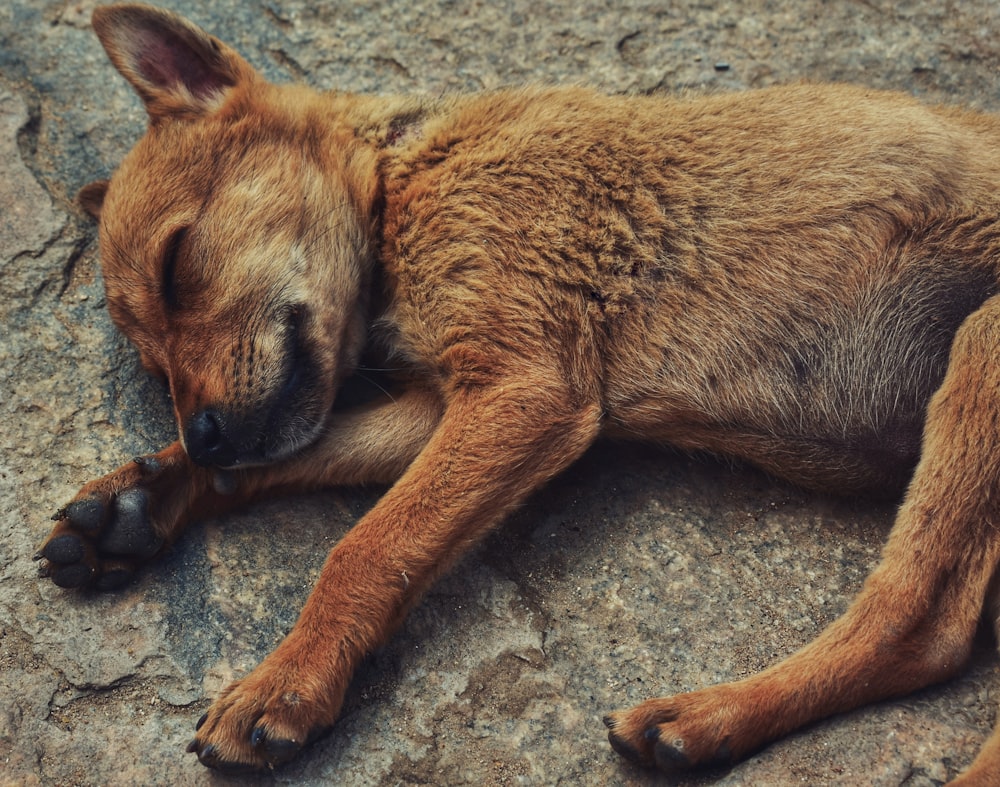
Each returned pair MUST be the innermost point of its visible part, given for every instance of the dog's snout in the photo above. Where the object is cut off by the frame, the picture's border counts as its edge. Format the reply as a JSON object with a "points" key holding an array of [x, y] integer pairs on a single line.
{"points": [[207, 442]]}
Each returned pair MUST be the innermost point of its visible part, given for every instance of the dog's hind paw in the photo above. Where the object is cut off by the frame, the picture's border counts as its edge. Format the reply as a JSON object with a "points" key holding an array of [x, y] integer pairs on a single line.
{"points": [[675, 734], [116, 523]]}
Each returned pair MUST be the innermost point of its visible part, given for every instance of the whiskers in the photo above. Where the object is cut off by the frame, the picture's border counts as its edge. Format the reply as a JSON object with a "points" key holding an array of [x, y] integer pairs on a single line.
{"points": [[373, 382]]}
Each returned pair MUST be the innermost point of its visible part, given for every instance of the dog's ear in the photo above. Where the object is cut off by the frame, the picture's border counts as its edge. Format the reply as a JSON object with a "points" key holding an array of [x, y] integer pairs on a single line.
{"points": [[91, 197], [178, 70]]}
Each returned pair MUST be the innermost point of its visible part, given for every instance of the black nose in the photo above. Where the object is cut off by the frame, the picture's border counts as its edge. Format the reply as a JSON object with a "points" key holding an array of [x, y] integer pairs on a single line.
{"points": [[206, 441]]}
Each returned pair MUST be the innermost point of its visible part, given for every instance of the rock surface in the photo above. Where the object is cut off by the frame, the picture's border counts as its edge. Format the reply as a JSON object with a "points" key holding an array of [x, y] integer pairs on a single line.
{"points": [[639, 572]]}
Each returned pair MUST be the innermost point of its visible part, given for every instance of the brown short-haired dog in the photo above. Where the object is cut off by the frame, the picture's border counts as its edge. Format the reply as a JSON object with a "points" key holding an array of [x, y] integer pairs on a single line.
{"points": [[802, 277]]}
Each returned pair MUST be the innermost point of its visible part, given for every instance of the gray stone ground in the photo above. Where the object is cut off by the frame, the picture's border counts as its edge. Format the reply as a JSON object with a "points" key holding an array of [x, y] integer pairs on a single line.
{"points": [[639, 572]]}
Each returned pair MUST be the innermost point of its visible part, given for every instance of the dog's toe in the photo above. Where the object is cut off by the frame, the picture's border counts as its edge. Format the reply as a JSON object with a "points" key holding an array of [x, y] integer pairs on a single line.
{"points": [[131, 531], [668, 754], [622, 738], [210, 757], [75, 575], [64, 549], [85, 515], [66, 560], [275, 751], [626, 749]]}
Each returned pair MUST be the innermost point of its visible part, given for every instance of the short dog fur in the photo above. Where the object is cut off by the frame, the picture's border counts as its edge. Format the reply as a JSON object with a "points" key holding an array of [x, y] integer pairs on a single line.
{"points": [[803, 277]]}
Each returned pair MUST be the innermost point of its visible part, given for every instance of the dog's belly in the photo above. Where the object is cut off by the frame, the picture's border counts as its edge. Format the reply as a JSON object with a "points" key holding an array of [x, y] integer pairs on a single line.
{"points": [[831, 400], [847, 456]]}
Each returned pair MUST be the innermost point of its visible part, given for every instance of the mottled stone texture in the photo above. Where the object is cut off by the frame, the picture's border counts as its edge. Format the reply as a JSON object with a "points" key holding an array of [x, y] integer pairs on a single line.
{"points": [[639, 572]]}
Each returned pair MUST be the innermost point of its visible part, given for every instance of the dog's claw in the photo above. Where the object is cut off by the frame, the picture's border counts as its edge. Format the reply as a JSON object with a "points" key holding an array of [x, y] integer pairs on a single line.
{"points": [[149, 465]]}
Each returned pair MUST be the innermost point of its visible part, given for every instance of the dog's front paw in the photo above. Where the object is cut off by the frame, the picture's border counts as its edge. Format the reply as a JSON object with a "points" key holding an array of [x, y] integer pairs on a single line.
{"points": [[118, 522], [678, 733], [264, 720]]}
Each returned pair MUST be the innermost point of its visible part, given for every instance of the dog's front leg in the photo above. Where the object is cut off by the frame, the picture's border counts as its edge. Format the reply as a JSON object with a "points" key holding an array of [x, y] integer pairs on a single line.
{"points": [[131, 515], [491, 448], [371, 444]]}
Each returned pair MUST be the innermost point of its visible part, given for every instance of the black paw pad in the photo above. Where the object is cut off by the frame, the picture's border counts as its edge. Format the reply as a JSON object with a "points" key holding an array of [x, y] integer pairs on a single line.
{"points": [[131, 531], [74, 576], [64, 549], [85, 514]]}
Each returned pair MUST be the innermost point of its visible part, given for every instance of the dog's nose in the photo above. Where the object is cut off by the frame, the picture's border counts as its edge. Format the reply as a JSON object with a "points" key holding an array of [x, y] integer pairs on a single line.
{"points": [[206, 441]]}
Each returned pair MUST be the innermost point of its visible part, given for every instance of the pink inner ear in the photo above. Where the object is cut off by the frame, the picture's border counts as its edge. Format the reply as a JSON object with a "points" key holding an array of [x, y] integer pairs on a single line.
{"points": [[167, 61]]}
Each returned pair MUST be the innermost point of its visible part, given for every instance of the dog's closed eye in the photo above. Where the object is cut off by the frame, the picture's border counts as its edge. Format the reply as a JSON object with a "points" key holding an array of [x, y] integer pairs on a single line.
{"points": [[168, 275]]}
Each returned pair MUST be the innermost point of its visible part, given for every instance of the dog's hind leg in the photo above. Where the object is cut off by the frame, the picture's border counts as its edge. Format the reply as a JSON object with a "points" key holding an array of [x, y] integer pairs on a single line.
{"points": [[913, 623], [985, 770]]}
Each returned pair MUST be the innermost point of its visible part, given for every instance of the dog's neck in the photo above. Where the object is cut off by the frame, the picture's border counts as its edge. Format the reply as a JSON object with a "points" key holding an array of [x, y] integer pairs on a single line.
{"points": [[396, 130], [386, 121]]}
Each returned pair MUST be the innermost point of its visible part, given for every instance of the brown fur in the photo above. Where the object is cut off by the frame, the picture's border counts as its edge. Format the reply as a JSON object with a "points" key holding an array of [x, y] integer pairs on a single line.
{"points": [[802, 277]]}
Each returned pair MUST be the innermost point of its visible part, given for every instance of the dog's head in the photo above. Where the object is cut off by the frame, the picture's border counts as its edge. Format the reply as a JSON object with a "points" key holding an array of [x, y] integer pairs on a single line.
{"points": [[234, 240]]}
